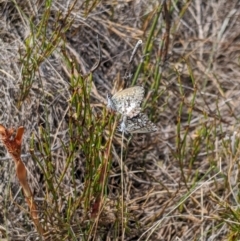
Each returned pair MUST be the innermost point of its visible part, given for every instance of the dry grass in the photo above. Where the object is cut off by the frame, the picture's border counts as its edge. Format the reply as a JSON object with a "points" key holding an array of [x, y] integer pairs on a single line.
{"points": [[180, 183]]}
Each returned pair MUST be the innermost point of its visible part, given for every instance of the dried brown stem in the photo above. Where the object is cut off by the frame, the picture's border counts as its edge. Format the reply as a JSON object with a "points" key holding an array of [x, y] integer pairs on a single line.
{"points": [[13, 146]]}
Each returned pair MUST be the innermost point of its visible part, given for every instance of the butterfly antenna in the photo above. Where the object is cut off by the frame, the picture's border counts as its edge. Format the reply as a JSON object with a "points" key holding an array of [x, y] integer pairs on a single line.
{"points": [[135, 50], [128, 74]]}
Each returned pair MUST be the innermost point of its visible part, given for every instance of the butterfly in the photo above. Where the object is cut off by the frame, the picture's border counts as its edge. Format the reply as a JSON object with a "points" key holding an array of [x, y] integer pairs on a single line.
{"points": [[127, 102], [137, 124]]}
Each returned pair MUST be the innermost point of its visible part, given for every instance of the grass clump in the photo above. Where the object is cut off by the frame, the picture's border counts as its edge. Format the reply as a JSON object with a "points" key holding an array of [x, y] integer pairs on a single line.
{"points": [[178, 183]]}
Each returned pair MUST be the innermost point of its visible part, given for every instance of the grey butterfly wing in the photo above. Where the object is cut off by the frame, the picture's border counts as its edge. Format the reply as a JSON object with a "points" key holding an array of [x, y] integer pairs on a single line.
{"points": [[128, 101], [138, 124]]}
